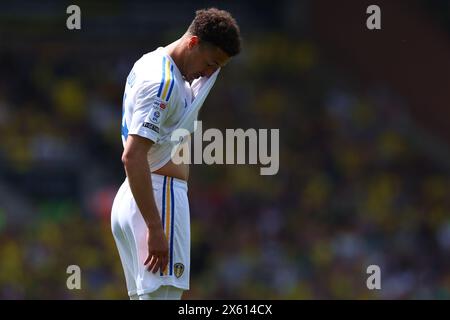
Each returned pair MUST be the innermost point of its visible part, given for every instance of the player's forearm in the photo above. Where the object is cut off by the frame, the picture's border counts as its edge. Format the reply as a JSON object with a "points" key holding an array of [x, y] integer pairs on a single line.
{"points": [[139, 178]]}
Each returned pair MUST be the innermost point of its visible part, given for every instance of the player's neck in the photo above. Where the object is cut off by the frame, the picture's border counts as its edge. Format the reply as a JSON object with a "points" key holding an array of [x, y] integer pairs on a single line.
{"points": [[175, 51]]}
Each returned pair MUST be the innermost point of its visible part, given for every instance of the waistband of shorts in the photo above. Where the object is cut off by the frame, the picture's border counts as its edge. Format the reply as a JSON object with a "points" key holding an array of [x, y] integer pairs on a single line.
{"points": [[158, 180]]}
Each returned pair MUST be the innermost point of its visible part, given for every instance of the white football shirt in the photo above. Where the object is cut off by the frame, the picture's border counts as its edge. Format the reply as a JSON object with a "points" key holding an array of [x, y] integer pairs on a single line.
{"points": [[157, 100]]}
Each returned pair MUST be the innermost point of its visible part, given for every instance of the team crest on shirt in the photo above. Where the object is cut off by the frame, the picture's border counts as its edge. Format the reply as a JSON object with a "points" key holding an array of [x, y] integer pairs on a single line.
{"points": [[178, 269]]}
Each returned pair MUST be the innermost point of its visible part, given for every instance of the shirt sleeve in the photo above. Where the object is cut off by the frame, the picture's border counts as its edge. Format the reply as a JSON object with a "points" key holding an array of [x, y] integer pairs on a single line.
{"points": [[149, 112]]}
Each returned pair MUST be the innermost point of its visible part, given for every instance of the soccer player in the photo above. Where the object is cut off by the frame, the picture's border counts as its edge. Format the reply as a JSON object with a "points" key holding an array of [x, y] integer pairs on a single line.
{"points": [[164, 91]]}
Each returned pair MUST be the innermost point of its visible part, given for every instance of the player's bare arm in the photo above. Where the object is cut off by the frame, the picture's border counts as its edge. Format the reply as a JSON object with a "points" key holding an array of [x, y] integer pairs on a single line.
{"points": [[137, 169]]}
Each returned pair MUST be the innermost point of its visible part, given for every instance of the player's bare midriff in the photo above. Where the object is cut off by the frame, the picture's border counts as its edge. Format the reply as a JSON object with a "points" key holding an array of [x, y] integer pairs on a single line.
{"points": [[180, 171]]}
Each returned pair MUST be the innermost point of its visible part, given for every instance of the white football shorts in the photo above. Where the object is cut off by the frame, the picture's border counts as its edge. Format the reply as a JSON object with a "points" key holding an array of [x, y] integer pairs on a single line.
{"points": [[130, 234]]}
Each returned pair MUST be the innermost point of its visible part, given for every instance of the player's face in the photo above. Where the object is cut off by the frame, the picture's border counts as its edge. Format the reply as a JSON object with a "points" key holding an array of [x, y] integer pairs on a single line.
{"points": [[203, 60]]}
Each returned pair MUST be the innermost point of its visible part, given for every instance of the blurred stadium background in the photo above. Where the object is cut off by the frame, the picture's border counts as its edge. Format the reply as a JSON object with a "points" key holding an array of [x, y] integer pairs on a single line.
{"points": [[364, 151]]}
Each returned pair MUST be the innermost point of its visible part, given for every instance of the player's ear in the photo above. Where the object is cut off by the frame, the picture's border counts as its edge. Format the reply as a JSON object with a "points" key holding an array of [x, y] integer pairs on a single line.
{"points": [[193, 41]]}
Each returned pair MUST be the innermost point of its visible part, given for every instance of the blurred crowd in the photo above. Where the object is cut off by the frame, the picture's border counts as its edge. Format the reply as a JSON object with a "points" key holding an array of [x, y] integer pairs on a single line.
{"points": [[354, 188]]}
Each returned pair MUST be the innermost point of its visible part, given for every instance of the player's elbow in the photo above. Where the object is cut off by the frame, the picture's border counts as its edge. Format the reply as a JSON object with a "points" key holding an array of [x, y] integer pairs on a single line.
{"points": [[125, 159], [130, 159], [135, 152]]}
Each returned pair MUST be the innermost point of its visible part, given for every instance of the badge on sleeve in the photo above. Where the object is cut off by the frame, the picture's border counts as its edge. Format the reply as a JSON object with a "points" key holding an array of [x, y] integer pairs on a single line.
{"points": [[155, 116], [159, 104]]}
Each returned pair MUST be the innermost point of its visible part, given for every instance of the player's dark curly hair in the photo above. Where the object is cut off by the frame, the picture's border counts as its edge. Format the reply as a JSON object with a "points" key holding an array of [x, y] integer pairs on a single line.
{"points": [[217, 27]]}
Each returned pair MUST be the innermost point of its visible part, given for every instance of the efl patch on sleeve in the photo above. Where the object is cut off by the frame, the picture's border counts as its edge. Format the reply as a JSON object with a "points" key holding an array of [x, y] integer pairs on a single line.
{"points": [[155, 116]]}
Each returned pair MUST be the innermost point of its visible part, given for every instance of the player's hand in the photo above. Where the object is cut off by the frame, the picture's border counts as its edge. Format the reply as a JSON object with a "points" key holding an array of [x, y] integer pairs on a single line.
{"points": [[158, 250]]}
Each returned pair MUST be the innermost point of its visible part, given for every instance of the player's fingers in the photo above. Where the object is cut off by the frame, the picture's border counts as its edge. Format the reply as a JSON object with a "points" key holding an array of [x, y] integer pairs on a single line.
{"points": [[152, 263], [158, 265], [162, 261], [149, 257]]}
